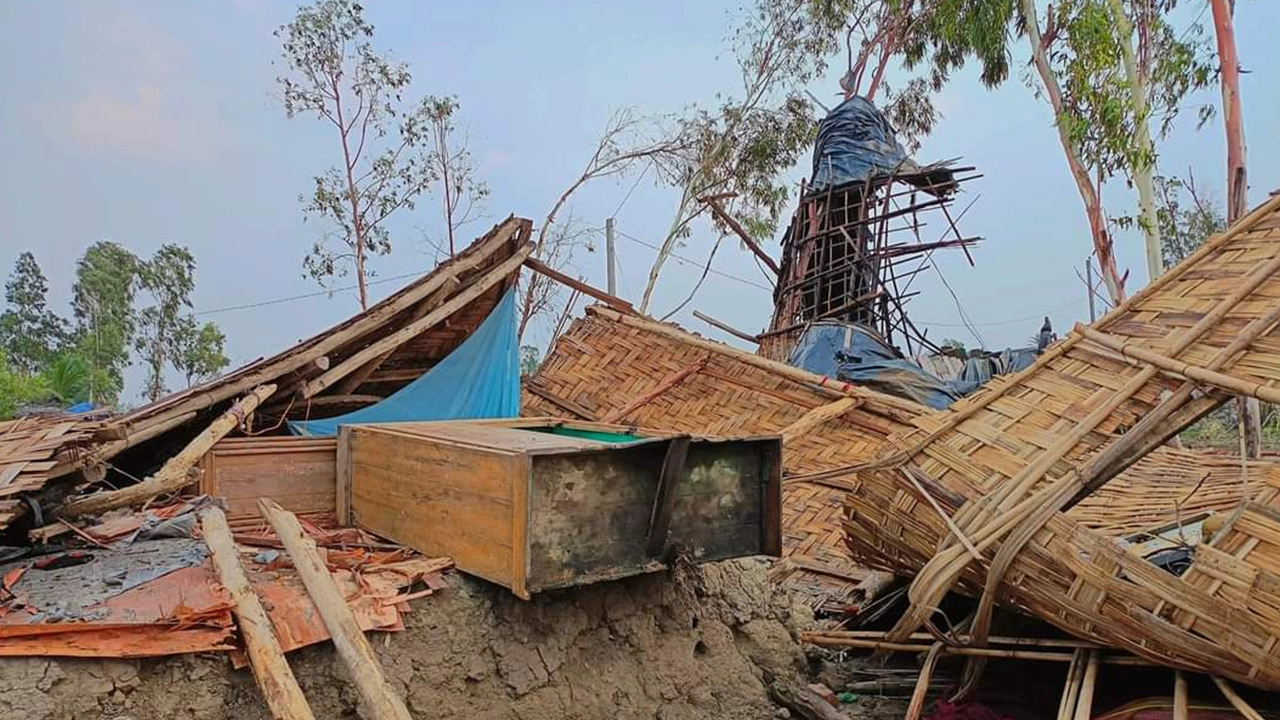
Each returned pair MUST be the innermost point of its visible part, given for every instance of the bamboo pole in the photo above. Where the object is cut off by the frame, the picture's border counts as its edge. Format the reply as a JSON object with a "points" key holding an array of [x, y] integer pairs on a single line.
{"points": [[173, 475], [726, 327], [819, 415], [666, 384], [1071, 690], [1234, 698], [1084, 702], [1180, 368], [416, 328], [963, 651], [381, 699], [266, 659]]}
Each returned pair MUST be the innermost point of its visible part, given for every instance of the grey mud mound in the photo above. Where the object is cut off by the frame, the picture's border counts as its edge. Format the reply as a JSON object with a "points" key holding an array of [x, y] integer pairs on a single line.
{"points": [[698, 643]]}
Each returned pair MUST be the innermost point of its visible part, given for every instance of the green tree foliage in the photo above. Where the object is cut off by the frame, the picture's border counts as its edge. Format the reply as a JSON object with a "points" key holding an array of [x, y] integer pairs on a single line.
{"points": [[102, 304], [529, 360], [462, 193], [169, 278], [1186, 219], [31, 334], [199, 351], [18, 389], [334, 74]]}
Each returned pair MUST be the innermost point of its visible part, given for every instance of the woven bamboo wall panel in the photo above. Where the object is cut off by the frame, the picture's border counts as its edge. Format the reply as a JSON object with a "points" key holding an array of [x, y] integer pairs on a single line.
{"points": [[1003, 460]]}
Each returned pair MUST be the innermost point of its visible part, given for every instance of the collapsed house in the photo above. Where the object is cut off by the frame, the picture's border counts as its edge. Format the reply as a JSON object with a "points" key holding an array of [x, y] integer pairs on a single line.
{"points": [[1050, 492]]}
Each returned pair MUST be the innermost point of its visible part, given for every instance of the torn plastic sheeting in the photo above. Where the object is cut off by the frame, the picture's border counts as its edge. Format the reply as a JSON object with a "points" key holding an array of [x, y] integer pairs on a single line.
{"points": [[853, 354], [855, 143]]}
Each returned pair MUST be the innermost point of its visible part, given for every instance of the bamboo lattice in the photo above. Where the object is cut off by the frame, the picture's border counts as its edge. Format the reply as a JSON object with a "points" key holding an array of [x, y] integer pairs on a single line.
{"points": [[1004, 463]]}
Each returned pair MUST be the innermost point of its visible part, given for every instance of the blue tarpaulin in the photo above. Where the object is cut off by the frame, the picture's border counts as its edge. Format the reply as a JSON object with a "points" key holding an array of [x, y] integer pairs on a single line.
{"points": [[855, 142], [479, 379]]}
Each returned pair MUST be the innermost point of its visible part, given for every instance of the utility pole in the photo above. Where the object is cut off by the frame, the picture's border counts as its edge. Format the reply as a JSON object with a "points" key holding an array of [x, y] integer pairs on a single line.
{"points": [[610, 256], [1088, 281]]}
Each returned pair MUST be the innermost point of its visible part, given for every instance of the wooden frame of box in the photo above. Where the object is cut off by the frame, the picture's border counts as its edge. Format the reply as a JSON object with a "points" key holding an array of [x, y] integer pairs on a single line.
{"points": [[540, 503]]}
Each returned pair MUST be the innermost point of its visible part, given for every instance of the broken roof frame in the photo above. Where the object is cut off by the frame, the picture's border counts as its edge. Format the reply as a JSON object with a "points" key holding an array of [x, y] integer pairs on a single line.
{"points": [[354, 363]]}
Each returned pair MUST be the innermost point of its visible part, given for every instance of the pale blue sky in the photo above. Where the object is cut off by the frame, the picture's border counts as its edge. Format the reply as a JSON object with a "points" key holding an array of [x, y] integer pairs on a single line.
{"points": [[149, 122]]}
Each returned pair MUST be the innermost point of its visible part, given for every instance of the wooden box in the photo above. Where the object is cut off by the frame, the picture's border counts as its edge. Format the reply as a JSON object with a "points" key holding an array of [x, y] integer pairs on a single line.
{"points": [[538, 503], [297, 472]]}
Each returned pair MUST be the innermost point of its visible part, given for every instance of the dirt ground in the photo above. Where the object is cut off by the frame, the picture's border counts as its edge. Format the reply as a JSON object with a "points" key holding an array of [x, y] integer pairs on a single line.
{"points": [[698, 643]]}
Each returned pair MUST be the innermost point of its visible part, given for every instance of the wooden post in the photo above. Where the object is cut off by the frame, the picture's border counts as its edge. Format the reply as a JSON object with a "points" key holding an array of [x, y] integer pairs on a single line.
{"points": [[266, 659], [174, 474], [349, 640]]}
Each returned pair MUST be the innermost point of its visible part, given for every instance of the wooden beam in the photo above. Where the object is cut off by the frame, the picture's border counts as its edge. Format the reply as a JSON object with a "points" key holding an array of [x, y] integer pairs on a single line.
{"points": [[416, 328], [174, 474], [266, 658], [741, 232], [357, 378], [722, 326], [662, 387], [664, 499], [537, 388], [614, 302], [331, 400], [353, 648]]}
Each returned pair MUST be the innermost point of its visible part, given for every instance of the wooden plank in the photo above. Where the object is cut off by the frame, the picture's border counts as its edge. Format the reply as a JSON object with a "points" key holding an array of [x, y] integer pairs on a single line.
{"points": [[342, 477], [266, 658], [380, 698], [438, 499], [417, 327], [665, 496], [520, 483]]}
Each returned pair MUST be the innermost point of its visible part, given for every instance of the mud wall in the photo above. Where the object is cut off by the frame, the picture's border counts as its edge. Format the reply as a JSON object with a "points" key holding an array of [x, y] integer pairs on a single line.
{"points": [[695, 643]]}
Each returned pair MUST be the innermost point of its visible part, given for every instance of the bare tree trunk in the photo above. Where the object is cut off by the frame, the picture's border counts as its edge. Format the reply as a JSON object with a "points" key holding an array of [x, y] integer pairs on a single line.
{"points": [[442, 148], [1144, 167], [1092, 204], [1237, 181], [357, 226], [677, 223]]}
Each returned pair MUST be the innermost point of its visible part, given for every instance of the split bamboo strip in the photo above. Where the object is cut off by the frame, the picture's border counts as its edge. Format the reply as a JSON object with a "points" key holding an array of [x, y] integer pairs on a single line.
{"points": [[673, 380], [266, 659], [1234, 698], [916, 705]]}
